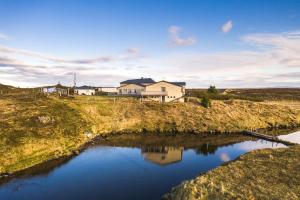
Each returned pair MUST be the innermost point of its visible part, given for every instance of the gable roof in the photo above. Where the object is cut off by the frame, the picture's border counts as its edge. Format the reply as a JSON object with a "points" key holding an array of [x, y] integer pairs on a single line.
{"points": [[132, 84], [56, 86], [179, 84], [138, 81], [85, 87]]}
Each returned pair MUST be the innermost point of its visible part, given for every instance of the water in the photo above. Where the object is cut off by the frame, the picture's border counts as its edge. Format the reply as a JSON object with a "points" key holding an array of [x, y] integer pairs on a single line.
{"points": [[130, 167], [293, 137]]}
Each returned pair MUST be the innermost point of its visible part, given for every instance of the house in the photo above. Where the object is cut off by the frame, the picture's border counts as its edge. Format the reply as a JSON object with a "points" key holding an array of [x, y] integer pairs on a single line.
{"points": [[85, 90], [162, 155], [59, 89], [148, 89], [141, 81], [107, 90]]}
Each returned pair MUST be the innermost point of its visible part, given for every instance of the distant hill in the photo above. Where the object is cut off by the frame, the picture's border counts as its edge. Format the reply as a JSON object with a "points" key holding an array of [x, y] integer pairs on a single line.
{"points": [[6, 87], [255, 94]]}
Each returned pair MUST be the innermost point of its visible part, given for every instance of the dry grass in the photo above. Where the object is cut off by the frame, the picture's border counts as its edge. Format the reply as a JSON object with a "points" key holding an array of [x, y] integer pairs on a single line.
{"points": [[261, 174], [33, 131]]}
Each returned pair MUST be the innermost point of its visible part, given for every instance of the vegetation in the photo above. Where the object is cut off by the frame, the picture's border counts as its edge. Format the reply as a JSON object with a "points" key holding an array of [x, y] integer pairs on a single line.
{"points": [[35, 128], [258, 95], [260, 174], [205, 102], [212, 90]]}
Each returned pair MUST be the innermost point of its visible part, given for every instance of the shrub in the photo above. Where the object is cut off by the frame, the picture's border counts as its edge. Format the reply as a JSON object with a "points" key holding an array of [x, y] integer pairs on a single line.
{"points": [[212, 89], [205, 102]]}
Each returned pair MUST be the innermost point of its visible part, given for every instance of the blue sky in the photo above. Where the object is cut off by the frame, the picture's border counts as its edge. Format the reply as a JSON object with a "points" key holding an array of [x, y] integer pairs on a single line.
{"points": [[232, 43]]}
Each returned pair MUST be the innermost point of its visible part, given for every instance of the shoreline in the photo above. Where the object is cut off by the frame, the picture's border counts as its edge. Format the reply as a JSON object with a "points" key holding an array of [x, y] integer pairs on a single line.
{"points": [[4, 177], [33, 132], [272, 169]]}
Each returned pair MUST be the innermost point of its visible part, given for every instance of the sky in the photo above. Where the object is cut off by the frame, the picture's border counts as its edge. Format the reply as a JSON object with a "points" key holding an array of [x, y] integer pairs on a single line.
{"points": [[227, 43]]}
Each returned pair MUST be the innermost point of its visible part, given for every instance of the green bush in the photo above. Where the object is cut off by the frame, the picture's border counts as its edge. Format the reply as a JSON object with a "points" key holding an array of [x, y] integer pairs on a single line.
{"points": [[205, 102], [212, 89]]}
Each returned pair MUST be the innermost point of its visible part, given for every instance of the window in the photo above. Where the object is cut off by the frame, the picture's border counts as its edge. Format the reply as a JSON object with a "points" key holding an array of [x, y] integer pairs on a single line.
{"points": [[163, 89]]}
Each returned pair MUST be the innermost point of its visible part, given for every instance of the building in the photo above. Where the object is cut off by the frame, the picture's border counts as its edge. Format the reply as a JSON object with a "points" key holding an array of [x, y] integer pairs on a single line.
{"points": [[148, 89], [56, 89], [163, 155], [107, 90], [141, 81], [85, 90]]}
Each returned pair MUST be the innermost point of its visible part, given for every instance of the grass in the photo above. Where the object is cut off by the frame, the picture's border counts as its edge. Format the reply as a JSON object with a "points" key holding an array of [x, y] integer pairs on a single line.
{"points": [[260, 174], [35, 128], [259, 95]]}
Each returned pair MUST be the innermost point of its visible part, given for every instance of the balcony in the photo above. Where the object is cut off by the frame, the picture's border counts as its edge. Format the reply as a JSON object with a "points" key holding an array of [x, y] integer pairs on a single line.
{"points": [[154, 93]]}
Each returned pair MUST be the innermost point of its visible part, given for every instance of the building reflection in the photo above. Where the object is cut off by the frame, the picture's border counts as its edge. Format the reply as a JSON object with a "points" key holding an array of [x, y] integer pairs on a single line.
{"points": [[162, 155], [206, 149]]}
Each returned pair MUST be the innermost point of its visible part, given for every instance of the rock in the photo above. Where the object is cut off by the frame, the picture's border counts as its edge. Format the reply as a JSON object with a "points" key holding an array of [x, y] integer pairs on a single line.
{"points": [[44, 119], [88, 134]]}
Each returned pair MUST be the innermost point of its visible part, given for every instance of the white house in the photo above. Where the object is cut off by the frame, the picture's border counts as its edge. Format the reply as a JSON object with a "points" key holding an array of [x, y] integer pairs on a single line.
{"points": [[109, 90], [147, 89], [85, 90], [57, 89]]}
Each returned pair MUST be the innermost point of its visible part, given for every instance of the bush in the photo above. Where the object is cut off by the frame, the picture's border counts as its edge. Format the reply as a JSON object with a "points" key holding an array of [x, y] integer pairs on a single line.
{"points": [[205, 102], [212, 89]]}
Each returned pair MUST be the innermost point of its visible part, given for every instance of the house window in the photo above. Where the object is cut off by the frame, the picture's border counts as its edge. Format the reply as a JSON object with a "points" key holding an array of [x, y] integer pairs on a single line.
{"points": [[163, 89]]}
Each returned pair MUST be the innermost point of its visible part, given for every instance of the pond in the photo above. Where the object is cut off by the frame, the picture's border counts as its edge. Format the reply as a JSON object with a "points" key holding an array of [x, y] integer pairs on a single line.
{"points": [[130, 167]]}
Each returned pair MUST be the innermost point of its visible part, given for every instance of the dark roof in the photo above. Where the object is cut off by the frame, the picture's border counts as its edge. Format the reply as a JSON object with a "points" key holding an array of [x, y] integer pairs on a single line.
{"points": [[56, 86], [138, 81], [85, 87], [134, 84], [178, 83]]}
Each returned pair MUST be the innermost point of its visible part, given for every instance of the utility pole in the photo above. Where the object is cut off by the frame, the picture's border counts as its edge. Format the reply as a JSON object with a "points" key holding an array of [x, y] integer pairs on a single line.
{"points": [[74, 80]]}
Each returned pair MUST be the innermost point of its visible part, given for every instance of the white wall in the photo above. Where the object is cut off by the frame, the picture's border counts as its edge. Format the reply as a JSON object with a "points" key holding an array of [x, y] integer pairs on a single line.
{"points": [[131, 89], [85, 91], [108, 89], [173, 91]]}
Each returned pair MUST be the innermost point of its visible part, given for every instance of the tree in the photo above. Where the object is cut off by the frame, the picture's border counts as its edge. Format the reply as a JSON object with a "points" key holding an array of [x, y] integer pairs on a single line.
{"points": [[205, 102], [212, 89]]}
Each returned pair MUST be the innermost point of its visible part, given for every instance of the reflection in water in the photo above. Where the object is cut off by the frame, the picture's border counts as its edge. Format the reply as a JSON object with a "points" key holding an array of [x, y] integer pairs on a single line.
{"points": [[225, 157], [206, 149], [125, 164], [162, 155]]}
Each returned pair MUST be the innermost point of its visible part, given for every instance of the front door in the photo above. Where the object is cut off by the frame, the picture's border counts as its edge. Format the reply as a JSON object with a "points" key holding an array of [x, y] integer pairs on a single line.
{"points": [[162, 98]]}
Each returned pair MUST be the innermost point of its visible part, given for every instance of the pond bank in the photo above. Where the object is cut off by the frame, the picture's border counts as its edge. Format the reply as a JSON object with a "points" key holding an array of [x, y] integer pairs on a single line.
{"points": [[33, 132], [260, 174]]}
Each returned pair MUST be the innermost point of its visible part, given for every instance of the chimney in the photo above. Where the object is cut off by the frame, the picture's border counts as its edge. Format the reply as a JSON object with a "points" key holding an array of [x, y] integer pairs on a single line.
{"points": [[142, 77]]}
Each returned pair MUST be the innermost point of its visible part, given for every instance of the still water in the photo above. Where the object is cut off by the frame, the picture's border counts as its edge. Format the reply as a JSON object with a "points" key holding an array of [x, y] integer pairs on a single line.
{"points": [[130, 167]]}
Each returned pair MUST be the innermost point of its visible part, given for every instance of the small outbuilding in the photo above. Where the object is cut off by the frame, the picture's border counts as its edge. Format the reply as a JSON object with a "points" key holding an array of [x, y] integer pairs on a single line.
{"points": [[85, 90]]}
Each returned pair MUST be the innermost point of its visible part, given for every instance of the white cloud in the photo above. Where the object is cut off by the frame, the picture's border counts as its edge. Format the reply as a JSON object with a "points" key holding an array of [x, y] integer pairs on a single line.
{"points": [[272, 61], [3, 36], [176, 40], [133, 51], [225, 157], [130, 53], [227, 26]]}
